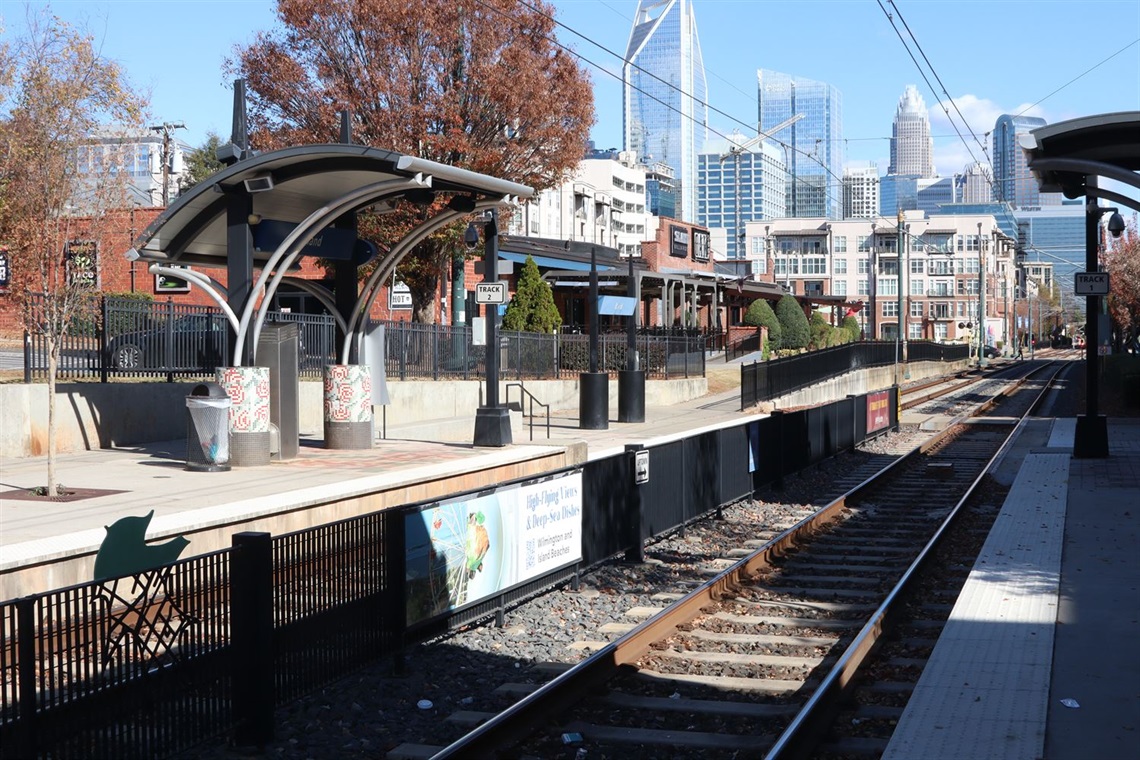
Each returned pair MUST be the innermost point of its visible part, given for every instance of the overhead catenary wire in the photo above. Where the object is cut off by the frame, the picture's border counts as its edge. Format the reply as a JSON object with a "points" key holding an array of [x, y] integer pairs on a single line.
{"points": [[832, 196]]}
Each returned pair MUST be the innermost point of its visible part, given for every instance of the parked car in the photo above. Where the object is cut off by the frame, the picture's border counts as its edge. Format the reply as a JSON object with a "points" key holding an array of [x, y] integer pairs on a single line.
{"points": [[194, 341]]}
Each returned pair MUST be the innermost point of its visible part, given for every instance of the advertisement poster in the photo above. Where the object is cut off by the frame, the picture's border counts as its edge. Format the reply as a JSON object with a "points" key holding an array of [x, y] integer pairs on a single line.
{"points": [[465, 550], [878, 410]]}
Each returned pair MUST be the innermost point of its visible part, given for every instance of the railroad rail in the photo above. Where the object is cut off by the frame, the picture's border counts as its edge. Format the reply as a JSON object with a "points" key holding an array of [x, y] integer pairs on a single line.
{"points": [[765, 649]]}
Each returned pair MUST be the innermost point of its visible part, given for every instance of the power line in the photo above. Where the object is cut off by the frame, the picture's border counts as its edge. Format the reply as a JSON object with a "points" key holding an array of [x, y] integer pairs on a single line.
{"points": [[836, 198], [1079, 76]]}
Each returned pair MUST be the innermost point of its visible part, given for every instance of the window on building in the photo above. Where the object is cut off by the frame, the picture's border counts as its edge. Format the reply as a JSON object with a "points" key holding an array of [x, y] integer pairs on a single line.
{"points": [[917, 265], [861, 286], [916, 308], [814, 265], [839, 287], [887, 286], [913, 331], [889, 266], [916, 286], [864, 266], [941, 310], [941, 267], [839, 244], [890, 308], [839, 266], [940, 331]]}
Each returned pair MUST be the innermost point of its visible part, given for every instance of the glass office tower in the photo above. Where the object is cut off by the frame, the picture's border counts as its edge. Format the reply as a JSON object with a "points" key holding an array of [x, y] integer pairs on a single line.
{"points": [[814, 144], [1013, 182], [664, 94]]}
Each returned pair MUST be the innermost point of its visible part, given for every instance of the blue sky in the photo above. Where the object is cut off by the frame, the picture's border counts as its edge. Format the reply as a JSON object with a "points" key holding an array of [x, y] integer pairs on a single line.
{"points": [[992, 57]]}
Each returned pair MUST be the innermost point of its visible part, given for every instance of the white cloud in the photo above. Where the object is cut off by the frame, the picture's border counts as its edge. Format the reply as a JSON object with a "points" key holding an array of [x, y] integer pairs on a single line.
{"points": [[951, 154]]}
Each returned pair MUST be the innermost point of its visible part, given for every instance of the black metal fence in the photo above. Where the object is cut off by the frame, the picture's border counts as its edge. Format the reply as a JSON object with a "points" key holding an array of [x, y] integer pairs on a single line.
{"points": [[153, 664], [762, 381], [123, 337]]}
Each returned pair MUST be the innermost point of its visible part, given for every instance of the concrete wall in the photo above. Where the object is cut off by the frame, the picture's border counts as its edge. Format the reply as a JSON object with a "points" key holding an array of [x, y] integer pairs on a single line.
{"points": [[96, 415], [862, 381]]}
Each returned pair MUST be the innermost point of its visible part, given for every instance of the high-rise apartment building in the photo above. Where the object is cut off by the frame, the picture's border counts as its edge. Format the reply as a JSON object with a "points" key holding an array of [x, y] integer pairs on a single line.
{"points": [[758, 189], [912, 147], [813, 144], [664, 95], [1013, 183], [860, 192]]}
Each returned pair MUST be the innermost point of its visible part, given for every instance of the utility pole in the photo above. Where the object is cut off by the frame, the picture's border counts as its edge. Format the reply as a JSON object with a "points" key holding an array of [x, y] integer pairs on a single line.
{"points": [[902, 260], [166, 129]]}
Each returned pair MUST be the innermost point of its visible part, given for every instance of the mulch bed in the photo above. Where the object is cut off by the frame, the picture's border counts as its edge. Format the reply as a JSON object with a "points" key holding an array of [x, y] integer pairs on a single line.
{"points": [[65, 495]]}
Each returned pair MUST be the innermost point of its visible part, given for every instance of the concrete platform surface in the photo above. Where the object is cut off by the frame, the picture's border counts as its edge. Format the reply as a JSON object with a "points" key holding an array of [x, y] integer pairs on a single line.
{"points": [[1039, 657]]}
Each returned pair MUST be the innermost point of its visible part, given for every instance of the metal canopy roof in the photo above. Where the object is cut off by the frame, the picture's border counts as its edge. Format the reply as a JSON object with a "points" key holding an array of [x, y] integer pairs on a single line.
{"points": [[1062, 156], [304, 180], [308, 188]]}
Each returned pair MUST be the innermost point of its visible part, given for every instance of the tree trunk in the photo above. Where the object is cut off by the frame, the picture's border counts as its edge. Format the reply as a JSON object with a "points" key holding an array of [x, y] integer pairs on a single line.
{"points": [[53, 364], [423, 292]]}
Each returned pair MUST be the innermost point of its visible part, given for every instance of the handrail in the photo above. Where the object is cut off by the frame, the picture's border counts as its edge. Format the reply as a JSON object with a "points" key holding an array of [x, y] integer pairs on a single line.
{"points": [[523, 391]]}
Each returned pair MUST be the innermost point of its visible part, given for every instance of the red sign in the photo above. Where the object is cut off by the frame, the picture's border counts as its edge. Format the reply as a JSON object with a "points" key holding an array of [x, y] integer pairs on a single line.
{"points": [[878, 410]]}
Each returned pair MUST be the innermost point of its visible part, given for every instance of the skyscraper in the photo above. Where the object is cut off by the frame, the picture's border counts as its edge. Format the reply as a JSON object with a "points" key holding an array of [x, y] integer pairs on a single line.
{"points": [[814, 144], [664, 94], [758, 188], [1013, 183], [912, 147]]}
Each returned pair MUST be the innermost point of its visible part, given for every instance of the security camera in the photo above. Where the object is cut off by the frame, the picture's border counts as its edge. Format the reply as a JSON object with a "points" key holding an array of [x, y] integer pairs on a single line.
{"points": [[132, 254], [1116, 224], [471, 237]]}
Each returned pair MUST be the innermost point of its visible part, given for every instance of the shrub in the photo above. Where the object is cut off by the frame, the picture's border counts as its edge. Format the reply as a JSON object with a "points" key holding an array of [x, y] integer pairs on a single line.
{"points": [[532, 309], [793, 323], [850, 325], [760, 314]]}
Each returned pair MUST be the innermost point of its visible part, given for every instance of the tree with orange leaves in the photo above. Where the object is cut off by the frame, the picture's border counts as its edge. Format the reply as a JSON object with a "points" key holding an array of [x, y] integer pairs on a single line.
{"points": [[1122, 260], [478, 84]]}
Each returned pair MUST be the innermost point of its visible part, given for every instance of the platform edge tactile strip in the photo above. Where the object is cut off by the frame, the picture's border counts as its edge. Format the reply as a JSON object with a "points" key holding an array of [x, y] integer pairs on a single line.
{"points": [[984, 693]]}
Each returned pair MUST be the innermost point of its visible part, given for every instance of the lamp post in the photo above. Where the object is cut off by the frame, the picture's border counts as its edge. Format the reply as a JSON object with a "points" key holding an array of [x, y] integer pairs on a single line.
{"points": [[492, 422]]}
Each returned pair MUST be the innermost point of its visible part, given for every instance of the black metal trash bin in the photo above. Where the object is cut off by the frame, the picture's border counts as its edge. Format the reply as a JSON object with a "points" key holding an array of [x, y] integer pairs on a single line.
{"points": [[208, 428]]}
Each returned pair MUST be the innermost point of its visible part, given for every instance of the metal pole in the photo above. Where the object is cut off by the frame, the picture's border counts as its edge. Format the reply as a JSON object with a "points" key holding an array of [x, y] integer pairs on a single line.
{"points": [[594, 309], [491, 274], [631, 358]]}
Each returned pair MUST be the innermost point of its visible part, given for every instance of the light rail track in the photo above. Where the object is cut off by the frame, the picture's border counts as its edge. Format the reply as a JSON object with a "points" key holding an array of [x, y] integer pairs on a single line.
{"points": [[751, 663]]}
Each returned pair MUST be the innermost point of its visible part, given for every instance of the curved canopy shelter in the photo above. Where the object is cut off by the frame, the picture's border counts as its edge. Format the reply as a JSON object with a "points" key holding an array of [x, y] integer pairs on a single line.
{"points": [[1070, 157], [1065, 155], [266, 210]]}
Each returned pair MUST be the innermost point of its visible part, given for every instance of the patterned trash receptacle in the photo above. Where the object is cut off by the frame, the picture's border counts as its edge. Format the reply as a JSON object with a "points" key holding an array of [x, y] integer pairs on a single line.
{"points": [[348, 406], [248, 389]]}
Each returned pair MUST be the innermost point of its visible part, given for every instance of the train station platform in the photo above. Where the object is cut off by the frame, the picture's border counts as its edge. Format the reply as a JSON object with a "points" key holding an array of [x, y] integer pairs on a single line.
{"points": [[52, 544], [1038, 660]]}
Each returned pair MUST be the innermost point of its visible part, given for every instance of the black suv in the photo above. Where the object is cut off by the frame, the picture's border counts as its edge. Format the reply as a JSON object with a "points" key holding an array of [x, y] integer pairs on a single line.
{"points": [[192, 342]]}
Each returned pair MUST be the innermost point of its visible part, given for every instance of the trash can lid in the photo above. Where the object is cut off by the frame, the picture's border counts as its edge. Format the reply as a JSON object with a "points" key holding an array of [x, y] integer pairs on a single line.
{"points": [[209, 390]]}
